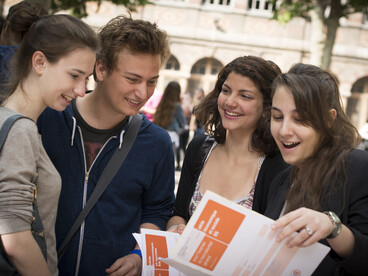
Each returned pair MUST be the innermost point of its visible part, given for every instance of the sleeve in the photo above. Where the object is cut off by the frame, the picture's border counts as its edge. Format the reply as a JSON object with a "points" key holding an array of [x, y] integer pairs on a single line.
{"points": [[187, 176], [270, 168], [357, 220], [180, 117], [158, 200], [17, 176]]}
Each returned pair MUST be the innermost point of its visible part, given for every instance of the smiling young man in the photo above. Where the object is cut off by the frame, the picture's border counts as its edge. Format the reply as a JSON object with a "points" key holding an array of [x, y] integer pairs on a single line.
{"points": [[81, 140]]}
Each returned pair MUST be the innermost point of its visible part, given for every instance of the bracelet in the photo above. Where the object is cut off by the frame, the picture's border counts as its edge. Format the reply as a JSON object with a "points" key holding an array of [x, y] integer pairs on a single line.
{"points": [[136, 251], [172, 227]]}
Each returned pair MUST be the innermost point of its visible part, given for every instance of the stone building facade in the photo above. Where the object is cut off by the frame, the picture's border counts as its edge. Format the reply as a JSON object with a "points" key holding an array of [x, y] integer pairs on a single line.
{"points": [[207, 34]]}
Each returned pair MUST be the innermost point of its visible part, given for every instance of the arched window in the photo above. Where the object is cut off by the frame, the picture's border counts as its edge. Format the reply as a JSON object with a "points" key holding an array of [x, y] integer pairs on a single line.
{"points": [[203, 74], [206, 66], [172, 64], [357, 103]]}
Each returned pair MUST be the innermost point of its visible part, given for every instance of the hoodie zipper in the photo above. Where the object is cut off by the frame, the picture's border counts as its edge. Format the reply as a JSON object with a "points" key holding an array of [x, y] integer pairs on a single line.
{"points": [[81, 236]]}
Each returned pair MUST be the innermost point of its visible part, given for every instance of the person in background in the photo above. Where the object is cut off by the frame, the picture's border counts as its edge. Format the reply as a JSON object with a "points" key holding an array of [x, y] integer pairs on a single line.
{"points": [[82, 139], [323, 196], [194, 124], [170, 116], [20, 18], [186, 103], [238, 158], [363, 131], [49, 70], [150, 106]]}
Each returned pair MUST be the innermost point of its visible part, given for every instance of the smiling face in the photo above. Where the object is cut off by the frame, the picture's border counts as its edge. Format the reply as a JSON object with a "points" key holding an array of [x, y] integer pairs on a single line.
{"points": [[296, 141], [240, 104], [65, 80], [129, 86]]}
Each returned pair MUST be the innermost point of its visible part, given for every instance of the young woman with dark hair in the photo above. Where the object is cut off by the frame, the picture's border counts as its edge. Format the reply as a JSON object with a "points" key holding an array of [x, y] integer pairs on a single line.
{"points": [[238, 158], [323, 196]]}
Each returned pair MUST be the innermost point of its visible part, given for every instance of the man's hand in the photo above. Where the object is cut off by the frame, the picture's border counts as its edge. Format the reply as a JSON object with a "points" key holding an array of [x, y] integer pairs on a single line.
{"points": [[129, 265]]}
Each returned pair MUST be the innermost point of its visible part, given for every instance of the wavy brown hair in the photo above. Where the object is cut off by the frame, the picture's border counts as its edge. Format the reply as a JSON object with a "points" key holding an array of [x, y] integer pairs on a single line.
{"points": [[138, 36], [165, 109], [316, 93], [262, 73]]}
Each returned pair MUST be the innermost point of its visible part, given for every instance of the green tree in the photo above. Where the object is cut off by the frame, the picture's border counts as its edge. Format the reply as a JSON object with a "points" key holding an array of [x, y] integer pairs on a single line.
{"points": [[78, 7], [324, 16]]}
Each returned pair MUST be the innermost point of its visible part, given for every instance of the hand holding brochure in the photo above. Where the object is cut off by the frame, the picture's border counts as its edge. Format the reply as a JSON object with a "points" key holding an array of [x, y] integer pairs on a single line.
{"points": [[224, 238]]}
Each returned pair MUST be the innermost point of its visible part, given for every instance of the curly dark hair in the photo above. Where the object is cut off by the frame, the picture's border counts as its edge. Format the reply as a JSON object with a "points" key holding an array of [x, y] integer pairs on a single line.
{"points": [[262, 73]]}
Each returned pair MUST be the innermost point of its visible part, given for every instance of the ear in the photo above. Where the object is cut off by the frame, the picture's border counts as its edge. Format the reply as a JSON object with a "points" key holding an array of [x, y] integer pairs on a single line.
{"points": [[333, 113], [100, 71], [38, 62]]}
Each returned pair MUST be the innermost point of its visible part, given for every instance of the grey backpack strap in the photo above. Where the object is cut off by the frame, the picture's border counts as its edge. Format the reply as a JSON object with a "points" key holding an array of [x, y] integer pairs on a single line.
{"points": [[107, 175], [7, 126]]}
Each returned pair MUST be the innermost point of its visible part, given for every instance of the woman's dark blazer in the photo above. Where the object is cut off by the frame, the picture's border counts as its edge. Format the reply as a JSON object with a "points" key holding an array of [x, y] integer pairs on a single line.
{"points": [[352, 209]]}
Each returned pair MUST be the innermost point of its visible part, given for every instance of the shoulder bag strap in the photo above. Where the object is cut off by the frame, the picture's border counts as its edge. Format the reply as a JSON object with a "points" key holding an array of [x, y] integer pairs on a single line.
{"points": [[107, 175], [7, 126]]}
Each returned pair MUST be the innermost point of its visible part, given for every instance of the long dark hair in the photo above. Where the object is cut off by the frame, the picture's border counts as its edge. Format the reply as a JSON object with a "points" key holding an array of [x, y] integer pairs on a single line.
{"points": [[316, 93], [165, 109], [262, 73]]}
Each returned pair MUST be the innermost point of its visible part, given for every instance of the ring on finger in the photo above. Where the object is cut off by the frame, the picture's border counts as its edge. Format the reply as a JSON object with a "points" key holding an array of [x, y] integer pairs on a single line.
{"points": [[309, 231]]}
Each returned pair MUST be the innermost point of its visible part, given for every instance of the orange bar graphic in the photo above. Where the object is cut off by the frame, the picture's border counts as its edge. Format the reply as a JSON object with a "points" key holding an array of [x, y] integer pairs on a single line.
{"points": [[161, 273], [156, 247], [281, 261], [219, 221], [266, 258], [208, 253]]}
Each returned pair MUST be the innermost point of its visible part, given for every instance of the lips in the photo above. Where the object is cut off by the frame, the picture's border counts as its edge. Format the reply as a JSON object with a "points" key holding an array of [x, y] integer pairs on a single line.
{"points": [[132, 101], [291, 145], [68, 99], [232, 114]]}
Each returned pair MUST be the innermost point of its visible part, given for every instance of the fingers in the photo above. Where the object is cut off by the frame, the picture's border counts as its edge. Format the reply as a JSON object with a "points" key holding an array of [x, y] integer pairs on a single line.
{"points": [[130, 265], [310, 227], [177, 228]]}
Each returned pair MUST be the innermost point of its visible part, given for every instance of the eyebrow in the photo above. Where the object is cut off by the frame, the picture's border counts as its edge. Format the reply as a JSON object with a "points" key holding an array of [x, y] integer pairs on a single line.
{"points": [[79, 71], [138, 76], [277, 109], [241, 90]]}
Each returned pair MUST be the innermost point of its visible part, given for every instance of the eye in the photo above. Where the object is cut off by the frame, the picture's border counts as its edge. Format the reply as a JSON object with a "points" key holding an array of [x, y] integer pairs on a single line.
{"points": [[131, 80], [276, 117], [74, 76], [246, 96], [225, 91], [152, 82]]}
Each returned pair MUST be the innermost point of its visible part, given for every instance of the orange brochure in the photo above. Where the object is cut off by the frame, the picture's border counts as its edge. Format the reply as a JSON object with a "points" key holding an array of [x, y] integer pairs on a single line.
{"points": [[224, 238], [156, 245]]}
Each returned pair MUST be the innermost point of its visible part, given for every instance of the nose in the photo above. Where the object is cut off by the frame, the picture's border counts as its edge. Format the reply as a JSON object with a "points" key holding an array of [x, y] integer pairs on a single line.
{"points": [[80, 89], [231, 101], [285, 129], [141, 91]]}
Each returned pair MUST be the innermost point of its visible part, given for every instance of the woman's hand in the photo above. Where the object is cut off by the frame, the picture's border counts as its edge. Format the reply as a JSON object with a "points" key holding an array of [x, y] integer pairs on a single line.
{"points": [[176, 224], [177, 228], [311, 226]]}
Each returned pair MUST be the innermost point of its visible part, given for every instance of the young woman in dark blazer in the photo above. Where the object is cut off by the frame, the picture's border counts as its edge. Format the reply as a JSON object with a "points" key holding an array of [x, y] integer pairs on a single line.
{"points": [[323, 196]]}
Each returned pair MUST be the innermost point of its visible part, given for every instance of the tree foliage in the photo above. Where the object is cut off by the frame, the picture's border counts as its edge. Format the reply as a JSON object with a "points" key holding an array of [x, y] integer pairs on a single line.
{"points": [[78, 7], [287, 9], [324, 16]]}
